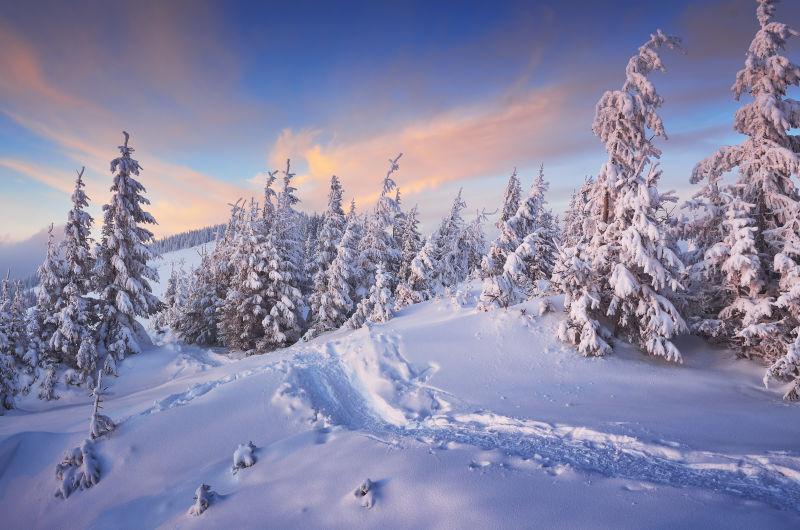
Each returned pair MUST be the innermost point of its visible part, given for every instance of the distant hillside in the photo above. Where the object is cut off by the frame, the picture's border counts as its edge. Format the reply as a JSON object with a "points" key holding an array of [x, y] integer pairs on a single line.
{"points": [[188, 239]]}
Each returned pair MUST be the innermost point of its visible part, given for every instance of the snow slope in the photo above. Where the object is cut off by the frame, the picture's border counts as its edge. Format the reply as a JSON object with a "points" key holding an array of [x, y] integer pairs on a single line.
{"points": [[460, 419]]}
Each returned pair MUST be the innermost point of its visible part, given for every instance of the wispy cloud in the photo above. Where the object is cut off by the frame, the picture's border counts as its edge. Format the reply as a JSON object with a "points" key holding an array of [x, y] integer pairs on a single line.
{"points": [[465, 143]]}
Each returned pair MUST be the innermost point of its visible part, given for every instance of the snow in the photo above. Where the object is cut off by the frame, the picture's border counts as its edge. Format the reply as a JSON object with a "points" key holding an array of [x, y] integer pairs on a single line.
{"points": [[459, 418]]}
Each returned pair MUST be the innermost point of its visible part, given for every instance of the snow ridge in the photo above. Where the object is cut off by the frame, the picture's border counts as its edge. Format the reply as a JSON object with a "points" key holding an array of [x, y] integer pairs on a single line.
{"points": [[364, 383]]}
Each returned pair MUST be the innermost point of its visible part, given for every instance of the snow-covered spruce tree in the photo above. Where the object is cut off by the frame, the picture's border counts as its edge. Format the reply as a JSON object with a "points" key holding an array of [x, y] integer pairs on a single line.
{"points": [[702, 226], [337, 301], [438, 264], [399, 224], [17, 331], [377, 305], [472, 245], [8, 374], [575, 278], [197, 321], [513, 231], [283, 323], [410, 241], [574, 235], [324, 251], [201, 312], [735, 262], [378, 244], [175, 296], [246, 303], [522, 254], [381, 298], [511, 198], [767, 162], [122, 266], [74, 339], [270, 198], [43, 319], [631, 268]]}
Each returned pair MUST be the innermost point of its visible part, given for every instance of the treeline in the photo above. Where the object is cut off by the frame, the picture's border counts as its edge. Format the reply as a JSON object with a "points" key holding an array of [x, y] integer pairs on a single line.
{"points": [[188, 239]]}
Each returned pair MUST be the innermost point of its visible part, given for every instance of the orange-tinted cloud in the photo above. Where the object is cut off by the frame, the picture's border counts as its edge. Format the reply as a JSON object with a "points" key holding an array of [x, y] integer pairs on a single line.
{"points": [[465, 143], [22, 72], [45, 175]]}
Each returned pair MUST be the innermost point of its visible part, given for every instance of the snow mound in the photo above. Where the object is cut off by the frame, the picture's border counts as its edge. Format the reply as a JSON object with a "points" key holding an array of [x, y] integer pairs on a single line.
{"points": [[360, 382]]}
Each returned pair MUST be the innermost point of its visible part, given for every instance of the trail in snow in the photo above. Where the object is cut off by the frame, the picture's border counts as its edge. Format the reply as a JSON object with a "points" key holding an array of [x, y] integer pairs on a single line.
{"points": [[365, 384], [196, 390]]}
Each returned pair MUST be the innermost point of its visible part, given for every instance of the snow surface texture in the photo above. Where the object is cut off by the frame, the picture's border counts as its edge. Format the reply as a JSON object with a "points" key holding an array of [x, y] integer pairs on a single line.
{"points": [[459, 418]]}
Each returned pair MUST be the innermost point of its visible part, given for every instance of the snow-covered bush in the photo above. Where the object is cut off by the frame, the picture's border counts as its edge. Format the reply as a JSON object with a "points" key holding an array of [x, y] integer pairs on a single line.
{"points": [[99, 424], [365, 494], [203, 496], [78, 469], [244, 456]]}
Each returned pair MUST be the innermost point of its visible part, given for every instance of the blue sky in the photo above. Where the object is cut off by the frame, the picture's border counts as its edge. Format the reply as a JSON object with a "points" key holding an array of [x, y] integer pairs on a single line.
{"points": [[215, 93]]}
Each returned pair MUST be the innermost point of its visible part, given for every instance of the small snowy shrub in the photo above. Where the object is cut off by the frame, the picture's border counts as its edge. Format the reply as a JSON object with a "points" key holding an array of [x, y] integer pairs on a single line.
{"points": [[202, 498], [77, 470], [99, 424], [244, 456], [365, 493]]}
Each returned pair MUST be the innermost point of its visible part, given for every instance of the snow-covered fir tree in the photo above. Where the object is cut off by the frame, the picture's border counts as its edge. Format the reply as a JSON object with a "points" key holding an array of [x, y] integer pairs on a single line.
{"points": [[410, 241], [511, 198], [378, 244], [337, 302], [246, 303], [378, 305], [399, 224], [702, 227], [324, 251], [735, 261], [472, 245], [207, 287], [523, 253], [767, 162], [197, 321], [43, 319], [175, 296], [575, 234], [17, 331], [123, 270], [8, 372], [438, 263], [629, 269], [74, 338], [381, 298], [283, 323], [574, 276], [270, 199]]}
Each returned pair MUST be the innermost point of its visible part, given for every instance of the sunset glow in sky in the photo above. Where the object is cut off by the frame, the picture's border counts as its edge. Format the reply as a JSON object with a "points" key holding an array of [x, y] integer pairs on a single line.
{"points": [[216, 93]]}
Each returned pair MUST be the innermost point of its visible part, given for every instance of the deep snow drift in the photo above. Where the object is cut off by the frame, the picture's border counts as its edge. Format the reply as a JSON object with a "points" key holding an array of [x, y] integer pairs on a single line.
{"points": [[458, 418]]}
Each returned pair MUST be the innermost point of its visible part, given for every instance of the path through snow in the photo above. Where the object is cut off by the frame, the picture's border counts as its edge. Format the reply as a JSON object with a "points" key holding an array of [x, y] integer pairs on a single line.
{"points": [[364, 383]]}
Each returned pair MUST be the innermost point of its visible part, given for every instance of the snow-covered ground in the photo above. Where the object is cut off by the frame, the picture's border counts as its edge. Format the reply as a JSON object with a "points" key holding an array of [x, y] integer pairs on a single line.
{"points": [[461, 419]]}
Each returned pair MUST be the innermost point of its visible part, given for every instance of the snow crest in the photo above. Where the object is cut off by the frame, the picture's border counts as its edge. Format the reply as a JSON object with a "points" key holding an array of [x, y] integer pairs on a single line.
{"points": [[361, 383], [364, 383]]}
